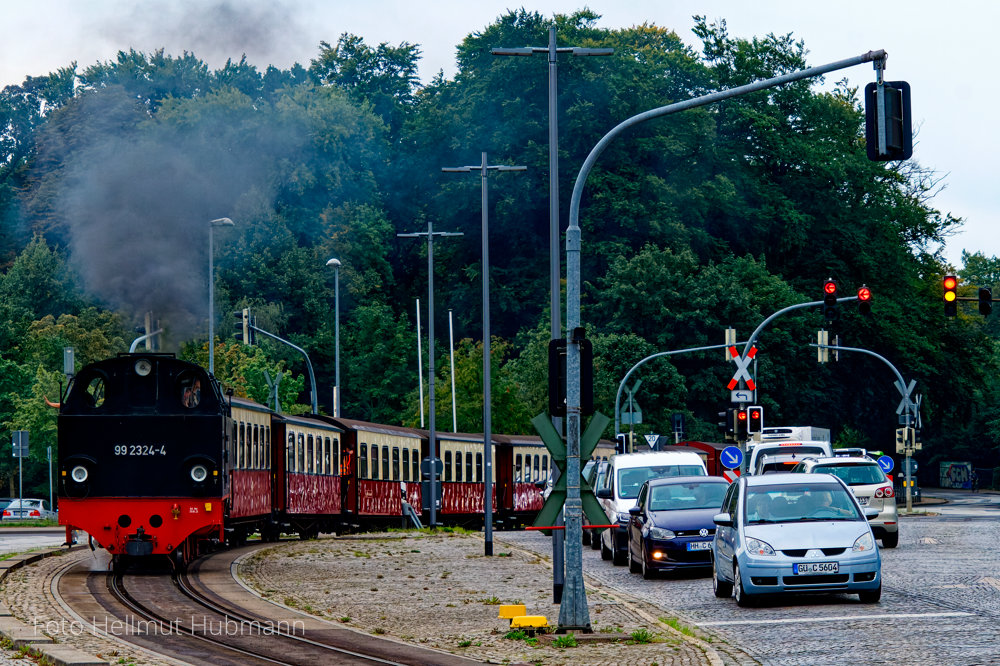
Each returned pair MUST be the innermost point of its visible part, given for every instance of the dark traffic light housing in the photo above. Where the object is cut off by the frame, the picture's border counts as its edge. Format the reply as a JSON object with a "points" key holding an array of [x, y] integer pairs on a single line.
{"points": [[830, 299], [243, 325], [557, 374], [950, 295], [985, 301], [892, 117], [864, 300], [755, 419], [741, 424]]}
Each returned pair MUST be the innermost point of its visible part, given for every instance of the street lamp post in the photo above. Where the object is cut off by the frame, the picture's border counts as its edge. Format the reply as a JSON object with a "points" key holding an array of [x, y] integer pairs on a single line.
{"points": [[430, 234], [484, 170], [220, 222], [554, 269], [336, 334]]}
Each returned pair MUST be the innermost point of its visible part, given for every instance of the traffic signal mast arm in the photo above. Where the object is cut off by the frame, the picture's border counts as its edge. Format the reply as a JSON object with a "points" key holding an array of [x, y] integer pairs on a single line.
{"points": [[312, 376], [799, 306]]}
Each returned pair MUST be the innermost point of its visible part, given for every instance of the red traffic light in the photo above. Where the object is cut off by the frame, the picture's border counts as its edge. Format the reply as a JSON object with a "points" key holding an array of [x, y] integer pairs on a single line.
{"points": [[741, 415], [830, 287], [864, 294], [950, 282], [950, 295]]}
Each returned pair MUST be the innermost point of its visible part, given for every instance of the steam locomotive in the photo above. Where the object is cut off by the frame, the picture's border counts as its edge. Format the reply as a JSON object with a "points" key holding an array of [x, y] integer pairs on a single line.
{"points": [[154, 459]]}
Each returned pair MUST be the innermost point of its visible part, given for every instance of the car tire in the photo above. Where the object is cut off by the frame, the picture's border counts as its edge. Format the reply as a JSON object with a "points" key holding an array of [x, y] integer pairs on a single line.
{"points": [[605, 552], [633, 566], [890, 540], [586, 536], [595, 540], [647, 571], [743, 600], [723, 588], [618, 558], [871, 596]]}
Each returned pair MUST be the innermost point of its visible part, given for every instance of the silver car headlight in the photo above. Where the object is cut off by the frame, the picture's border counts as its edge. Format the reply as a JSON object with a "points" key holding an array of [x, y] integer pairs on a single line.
{"points": [[758, 547], [864, 543], [659, 533]]}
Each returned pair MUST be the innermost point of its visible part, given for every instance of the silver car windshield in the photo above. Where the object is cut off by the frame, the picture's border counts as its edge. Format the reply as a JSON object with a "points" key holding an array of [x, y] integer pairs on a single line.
{"points": [[799, 503], [854, 474]]}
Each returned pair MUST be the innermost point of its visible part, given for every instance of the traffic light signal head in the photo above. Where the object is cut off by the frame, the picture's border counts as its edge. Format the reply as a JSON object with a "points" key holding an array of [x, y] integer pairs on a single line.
{"points": [[864, 300], [243, 325], [741, 424], [985, 301], [950, 296], [755, 419], [830, 299], [888, 127]]}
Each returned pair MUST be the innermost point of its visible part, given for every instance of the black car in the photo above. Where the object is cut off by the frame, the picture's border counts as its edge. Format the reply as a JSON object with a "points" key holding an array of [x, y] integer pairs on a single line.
{"points": [[671, 527]]}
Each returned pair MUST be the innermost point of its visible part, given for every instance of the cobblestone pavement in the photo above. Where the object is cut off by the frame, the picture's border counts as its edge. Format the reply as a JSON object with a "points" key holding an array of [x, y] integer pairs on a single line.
{"points": [[940, 604]]}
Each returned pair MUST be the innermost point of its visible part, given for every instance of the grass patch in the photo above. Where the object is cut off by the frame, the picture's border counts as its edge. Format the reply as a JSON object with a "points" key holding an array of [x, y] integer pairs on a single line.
{"points": [[641, 636], [492, 601], [567, 641], [675, 624]]}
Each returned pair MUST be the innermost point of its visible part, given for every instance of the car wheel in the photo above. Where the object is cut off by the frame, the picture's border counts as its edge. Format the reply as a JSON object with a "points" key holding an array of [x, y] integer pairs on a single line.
{"points": [[647, 571], [586, 536], [871, 596], [619, 558], [890, 540], [634, 566], [723, 588], [605, 552], [595, 540], [743, 599]]}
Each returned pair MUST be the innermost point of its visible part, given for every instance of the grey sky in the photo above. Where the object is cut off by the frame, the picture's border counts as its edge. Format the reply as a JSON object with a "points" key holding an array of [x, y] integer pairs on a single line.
{"points": [[939, 48]]}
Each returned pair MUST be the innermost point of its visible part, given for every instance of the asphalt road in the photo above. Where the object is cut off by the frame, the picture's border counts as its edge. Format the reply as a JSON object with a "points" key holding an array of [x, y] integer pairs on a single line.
{"points": [[940, 601]]}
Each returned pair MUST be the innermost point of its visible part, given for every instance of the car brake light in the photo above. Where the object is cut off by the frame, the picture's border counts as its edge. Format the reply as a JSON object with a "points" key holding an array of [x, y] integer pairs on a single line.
{"points": [[888, 491], [6, 512], [35, 513], [880, 492]]}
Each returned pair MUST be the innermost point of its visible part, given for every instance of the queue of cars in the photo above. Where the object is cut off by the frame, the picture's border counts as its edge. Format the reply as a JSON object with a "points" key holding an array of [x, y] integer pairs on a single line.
{"points": [[806, 521]]}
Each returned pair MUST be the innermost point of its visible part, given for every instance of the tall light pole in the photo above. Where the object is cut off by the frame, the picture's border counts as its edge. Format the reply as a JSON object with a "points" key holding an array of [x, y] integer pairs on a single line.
{"points": [[336, 334], [484, 170], [220, 222], [554, 269], [430, 234]]}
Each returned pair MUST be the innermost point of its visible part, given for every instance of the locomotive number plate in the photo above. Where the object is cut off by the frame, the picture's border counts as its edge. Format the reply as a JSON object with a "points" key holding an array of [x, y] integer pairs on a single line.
{"points": [[140, 450]]}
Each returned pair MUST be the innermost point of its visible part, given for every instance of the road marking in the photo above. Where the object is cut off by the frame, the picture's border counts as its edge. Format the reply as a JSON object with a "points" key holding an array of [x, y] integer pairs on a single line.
{"points": [[833, 618]]}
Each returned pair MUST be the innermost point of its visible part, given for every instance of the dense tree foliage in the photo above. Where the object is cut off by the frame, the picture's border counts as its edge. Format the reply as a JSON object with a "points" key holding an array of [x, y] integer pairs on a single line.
{"points": [[692, 223]]}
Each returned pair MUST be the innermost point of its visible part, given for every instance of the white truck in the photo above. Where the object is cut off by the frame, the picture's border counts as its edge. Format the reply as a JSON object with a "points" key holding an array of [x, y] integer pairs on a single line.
{"points": [[781, 448]]}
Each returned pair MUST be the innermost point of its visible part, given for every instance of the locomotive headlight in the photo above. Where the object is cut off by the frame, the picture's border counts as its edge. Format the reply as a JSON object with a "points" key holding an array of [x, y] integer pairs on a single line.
{"points": [[199, 473], [79, 474], [143, 367]]}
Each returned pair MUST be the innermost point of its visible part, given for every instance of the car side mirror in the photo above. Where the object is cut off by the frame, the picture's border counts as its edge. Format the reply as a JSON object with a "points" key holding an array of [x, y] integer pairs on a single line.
{"points": [[723, 520], [635, 511], [871, 513], [604, 493]]}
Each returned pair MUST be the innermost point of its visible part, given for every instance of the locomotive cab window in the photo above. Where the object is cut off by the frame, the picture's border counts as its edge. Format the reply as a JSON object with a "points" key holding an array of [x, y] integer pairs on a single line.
{"points": [[190, 390], [94, 392]]}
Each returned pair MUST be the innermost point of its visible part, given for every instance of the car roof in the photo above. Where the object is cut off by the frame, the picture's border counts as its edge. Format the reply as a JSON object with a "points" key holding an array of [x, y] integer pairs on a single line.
{"points": [[840, 460], [787, 479], [675, 480]]}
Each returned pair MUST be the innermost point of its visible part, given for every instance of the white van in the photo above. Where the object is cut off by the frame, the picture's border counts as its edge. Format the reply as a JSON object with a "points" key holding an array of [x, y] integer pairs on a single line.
{"points": [[626, 474], [768, 457]]}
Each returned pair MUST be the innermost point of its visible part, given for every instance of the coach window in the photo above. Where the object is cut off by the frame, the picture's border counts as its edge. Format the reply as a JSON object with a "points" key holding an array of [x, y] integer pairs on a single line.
{"points": [[256, 447], [267, 447], [406, 464], [300, 454], [458, 466], [385, 462], [537, 468], [468, 466], [479, 467], [545, 467], [375, 452], [310, 456], [395, 463], [447, 465], [325, 465], [289, 452], [363, 462], [415, 460], [517, 468]]}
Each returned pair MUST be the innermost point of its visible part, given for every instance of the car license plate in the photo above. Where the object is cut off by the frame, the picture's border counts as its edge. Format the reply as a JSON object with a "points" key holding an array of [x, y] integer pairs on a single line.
{"points": [[816, 568], [863, 501], [699, 545]]}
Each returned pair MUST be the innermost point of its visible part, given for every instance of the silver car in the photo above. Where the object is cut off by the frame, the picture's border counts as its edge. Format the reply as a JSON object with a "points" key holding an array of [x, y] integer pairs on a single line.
{"points": [[869, 484], [792, 533], [28, 509]]}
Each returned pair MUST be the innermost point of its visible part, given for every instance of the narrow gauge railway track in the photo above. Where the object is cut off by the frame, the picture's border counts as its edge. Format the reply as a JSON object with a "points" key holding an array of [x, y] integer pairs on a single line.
{"points": [[206, 616]]}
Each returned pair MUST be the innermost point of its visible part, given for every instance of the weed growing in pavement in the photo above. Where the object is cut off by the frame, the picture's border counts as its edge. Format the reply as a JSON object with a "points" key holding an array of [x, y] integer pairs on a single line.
{"points": [[505, 554], [378, 630], [611, 630], [345, 619], [360, 553], [445, 574], [674, 623], [492, 601], [289, 601], [567, 641], [641, 636], [379, 576], [516, 635]]}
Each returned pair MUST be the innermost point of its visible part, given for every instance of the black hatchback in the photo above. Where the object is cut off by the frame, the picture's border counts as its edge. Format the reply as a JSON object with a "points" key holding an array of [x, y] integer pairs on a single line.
{"points": [[671, 526]]}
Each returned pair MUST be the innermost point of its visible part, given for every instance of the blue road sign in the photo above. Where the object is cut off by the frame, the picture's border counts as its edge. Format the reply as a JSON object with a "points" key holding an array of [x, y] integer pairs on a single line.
{"points": [[732, 457], [885, 462]]}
